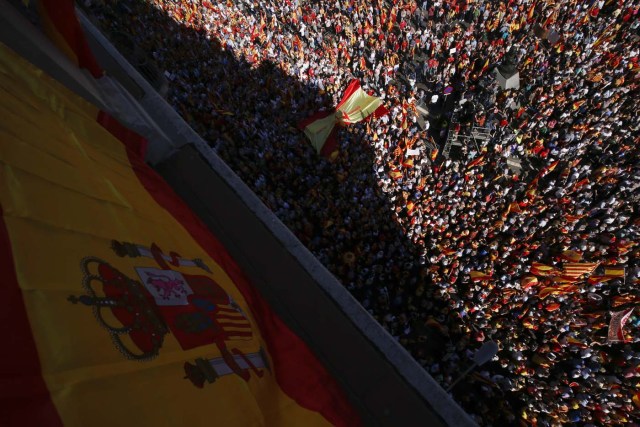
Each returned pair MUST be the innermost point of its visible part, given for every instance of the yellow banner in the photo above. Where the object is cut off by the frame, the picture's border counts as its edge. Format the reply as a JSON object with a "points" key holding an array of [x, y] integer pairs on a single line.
{"points": [[134, 322]]}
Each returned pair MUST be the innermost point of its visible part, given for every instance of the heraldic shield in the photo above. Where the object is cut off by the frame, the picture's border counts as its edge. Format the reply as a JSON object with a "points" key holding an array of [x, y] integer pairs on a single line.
{"points": [[195, 309]]}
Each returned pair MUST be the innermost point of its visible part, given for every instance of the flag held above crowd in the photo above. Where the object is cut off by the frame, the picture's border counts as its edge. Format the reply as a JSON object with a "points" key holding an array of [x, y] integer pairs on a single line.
{"points": [[616, 325], [355, 106]]}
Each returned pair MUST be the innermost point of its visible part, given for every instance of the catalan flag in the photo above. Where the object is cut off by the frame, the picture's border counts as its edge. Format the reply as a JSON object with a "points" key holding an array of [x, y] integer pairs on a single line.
{"points": [[575, 270], [120, 307]]}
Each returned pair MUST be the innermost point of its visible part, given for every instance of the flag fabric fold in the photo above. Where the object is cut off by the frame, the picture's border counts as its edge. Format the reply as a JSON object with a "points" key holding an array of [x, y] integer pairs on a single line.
{"points": [[575, 270]]}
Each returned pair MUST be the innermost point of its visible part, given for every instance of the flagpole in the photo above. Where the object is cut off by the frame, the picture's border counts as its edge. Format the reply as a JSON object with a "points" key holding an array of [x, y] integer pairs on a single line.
{"points": [[464, 374]]}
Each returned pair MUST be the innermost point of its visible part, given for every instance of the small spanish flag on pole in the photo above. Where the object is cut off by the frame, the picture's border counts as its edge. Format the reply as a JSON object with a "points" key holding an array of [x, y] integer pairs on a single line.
{"points": [[531, 12]]}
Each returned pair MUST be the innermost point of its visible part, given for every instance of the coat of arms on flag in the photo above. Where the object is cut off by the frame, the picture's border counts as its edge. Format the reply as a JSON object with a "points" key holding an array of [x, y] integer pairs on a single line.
{"points": [[195, 309]]}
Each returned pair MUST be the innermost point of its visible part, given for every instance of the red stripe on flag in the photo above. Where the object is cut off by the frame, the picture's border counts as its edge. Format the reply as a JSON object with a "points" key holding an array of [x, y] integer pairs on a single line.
{"points": [[137, 142], [24, 397], [297, 370], [353, 86], [62, 14]]}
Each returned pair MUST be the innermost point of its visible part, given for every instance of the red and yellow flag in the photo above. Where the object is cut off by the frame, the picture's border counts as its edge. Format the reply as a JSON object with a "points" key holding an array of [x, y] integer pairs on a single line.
{"points": [[557, 290], [59, 21], [575, 270], [610, 273], [539, 269], [636, 400], [355, 106], [528, 282], [119, 306]]}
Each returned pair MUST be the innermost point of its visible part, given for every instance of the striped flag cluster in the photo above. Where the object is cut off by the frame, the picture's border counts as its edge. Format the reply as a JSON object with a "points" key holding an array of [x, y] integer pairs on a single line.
{"points": [[573, 271], [570, 271]]}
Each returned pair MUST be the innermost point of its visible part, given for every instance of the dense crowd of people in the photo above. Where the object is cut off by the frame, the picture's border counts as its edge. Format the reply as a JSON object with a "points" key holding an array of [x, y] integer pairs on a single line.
{"points": [[445, 253]]}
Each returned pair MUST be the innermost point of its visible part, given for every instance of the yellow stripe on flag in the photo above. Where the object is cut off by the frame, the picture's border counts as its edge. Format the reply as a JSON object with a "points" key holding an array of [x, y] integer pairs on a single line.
{"points": [[319, 130], [614, 271], [357, 107], [68, 191]]}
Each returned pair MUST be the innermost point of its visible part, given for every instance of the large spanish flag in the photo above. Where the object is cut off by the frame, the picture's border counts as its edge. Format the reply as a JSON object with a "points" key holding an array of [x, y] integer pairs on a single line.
{"points": [[356, 105], [119, 306]]}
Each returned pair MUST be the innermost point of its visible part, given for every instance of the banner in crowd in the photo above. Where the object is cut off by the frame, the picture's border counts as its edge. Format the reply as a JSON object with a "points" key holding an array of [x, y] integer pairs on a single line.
{"points": [[355, 106], [119, 306]]}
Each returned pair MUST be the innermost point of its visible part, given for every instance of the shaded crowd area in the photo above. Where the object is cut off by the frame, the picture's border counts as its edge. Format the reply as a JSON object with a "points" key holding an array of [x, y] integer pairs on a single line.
{"points": [[445, 253]]}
